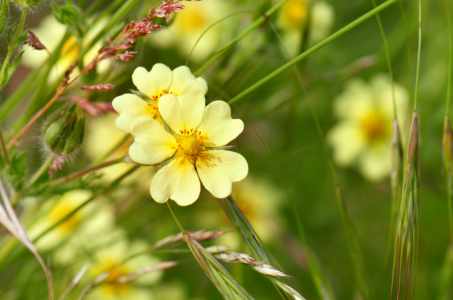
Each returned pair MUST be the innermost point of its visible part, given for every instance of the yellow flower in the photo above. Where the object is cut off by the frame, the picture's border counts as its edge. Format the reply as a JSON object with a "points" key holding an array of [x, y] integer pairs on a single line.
{"points": [[154, 84], [364, 134], [50, 33], [194, 148], [190, 23], [293, 19], [114, 262], [77, 231]]}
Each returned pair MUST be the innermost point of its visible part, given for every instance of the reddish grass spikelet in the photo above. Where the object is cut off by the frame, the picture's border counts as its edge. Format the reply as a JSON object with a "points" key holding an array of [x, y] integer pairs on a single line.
{"points": [[165, 9], [200, 236], [34, 42], [103, 87], [125, 56], [93, 108]]}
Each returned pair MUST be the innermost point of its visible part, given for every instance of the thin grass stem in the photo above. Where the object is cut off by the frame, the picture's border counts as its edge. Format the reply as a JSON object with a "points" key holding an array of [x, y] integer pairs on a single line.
{"points": [[417, 74], [174, 217], [321, 44], [230, 45], [86, 171], [43, 169], [211, 26]]}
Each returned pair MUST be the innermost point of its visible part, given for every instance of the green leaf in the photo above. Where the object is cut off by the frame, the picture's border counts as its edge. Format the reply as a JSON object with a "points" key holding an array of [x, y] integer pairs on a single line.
{"points": [[22, 38], [13, 66], [4, 15], [18, 170]]}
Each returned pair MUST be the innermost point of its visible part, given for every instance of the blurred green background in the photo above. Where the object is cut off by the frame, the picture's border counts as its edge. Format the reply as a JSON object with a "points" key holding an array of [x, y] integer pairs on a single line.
{"points": [[278, 113]]}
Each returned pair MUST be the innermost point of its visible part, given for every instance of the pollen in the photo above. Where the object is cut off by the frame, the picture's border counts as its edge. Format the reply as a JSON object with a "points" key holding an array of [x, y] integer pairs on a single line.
{"points": [[189, 146]]}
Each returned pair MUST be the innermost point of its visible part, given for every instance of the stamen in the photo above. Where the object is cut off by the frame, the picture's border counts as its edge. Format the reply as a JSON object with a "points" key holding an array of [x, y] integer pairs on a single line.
{"points": [[182, 132]]}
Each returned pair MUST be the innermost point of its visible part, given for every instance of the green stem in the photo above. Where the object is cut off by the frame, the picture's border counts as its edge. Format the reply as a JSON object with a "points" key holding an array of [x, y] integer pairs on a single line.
{"points": [[174, 217], [6, 62], [387, 56], [450, 52], [417, 74], [314, 48], [21, 24], [3, 146], [11, 46], [111, 150], [230, 45], [44, 168]]}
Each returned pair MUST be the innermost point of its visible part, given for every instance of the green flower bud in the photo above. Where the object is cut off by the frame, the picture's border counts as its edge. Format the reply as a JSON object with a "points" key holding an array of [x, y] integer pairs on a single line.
{"points": [[63, 132], [4, 15], [28, 3]]}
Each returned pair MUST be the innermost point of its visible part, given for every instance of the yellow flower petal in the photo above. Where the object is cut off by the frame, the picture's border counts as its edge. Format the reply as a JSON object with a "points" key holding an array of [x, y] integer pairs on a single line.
{"points": [[219, 168], [152, 143], [217, 127], [153, 82], [347, 142], [130, 108], [177, 181], [182, 78], [184, 112], [375, 163]]}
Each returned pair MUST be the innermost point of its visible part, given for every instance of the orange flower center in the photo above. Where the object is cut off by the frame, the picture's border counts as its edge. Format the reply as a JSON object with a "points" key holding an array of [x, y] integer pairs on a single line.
{"points": [[191, 20], [190, 145], [374, 127], [294, 13]]}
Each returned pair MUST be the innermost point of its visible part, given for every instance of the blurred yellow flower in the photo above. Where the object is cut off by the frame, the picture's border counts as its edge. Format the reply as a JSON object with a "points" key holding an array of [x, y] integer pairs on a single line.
{"points": [[154, 84], [259, 200], [79, 229], [118, 260], [293, 20], [50, 33], [190, 23], [199, 131], [364, 134]]}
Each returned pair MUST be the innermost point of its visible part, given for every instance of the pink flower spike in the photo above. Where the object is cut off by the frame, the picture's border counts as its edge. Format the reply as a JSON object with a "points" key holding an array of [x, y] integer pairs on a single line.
{"points": [[166, 8], [125, 56], [103, 87], [105, 106]]}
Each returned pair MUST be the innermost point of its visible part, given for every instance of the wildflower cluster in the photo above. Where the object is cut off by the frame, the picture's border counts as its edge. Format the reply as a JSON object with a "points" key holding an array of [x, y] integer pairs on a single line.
{"points": [[172, 126]]}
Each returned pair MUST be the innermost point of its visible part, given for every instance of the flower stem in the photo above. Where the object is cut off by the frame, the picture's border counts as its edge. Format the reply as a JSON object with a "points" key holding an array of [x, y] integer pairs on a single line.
{"points": [[314, 48], [44, 168], [86, 171], [174, 218]]}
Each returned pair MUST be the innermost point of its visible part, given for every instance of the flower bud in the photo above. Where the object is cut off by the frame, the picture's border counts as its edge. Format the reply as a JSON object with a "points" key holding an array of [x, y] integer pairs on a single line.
{"points": [[63, 132], [28, 3], [4, 15]]}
